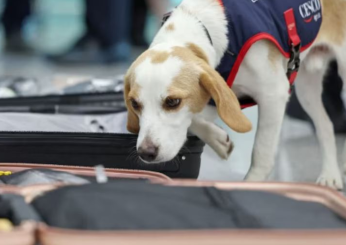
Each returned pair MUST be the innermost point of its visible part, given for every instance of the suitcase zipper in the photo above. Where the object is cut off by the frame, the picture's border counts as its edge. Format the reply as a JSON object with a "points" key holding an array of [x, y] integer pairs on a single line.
{"points": [[77, 138]]}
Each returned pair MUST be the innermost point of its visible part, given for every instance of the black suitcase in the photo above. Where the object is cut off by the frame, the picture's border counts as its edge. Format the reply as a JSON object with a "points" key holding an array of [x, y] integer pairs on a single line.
{"points": [[85, 149]]}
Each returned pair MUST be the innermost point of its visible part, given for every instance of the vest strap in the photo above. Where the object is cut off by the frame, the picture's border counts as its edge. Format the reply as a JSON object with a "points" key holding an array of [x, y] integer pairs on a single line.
{"points": [[295, 44]]}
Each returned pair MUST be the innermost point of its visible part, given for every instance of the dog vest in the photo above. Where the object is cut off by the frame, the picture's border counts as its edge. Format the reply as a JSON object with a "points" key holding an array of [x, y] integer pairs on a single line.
{"points": [[292, 25]]}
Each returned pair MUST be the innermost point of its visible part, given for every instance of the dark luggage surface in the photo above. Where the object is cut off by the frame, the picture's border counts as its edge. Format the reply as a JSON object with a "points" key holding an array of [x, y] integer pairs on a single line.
{"points": [[91, 149], [73, 104], [136, 205]]}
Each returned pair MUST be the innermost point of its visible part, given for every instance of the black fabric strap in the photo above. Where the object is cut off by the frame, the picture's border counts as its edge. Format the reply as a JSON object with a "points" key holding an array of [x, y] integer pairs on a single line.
{"points": [[239, 216]]}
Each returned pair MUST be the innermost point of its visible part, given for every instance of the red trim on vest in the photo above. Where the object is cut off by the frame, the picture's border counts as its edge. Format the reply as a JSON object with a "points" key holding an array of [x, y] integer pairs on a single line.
{"points": [[247, 106], [293, 78], [220, 2], [294, 37], [292, 27], [247, 46]]}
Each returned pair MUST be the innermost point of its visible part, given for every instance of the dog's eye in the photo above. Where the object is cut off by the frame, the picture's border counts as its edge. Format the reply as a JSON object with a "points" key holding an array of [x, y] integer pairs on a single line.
{"points": [[135, 105], [171, 103]]}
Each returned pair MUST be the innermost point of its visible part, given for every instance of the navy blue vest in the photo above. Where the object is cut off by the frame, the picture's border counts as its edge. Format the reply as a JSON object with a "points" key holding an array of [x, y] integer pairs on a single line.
{"points": [[252, 20]]}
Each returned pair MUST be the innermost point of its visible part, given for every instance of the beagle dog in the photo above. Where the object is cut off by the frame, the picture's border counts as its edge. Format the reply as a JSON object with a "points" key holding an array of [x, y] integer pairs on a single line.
{"points": [[229, 51]]}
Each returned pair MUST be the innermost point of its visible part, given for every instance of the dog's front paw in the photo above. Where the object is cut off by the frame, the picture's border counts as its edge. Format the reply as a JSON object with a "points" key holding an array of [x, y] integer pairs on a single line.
{"points": [[331, 179], [220, 142]]}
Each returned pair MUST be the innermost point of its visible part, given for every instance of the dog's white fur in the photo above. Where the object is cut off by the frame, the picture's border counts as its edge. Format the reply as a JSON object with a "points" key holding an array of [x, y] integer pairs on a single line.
{"points": [[259, 77]]}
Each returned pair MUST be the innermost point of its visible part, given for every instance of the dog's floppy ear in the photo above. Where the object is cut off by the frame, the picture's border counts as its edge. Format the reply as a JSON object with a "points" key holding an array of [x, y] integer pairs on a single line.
{"points": [[227, 103], [132, 118]]}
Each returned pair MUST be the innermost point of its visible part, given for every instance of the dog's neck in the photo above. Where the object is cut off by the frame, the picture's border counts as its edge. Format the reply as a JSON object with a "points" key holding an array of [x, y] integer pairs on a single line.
{"points": [[188, 24]]}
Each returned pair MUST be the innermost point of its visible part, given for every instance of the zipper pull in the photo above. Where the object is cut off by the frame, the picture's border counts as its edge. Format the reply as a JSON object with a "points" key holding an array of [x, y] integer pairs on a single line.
{"points": [[229, 52], [100, 173], [5, 173], [5, 225]]}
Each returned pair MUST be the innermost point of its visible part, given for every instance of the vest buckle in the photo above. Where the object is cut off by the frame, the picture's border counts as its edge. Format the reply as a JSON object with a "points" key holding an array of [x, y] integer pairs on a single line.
{"points": [[294, 61]]}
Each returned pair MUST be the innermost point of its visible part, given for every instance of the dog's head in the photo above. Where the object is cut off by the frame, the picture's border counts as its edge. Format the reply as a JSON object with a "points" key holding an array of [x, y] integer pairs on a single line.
{"points": [[164, 89]]}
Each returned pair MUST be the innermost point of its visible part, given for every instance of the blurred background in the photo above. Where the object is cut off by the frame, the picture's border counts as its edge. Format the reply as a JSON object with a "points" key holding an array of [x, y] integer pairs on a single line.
{"points": [[98, 37], [61, 43]]}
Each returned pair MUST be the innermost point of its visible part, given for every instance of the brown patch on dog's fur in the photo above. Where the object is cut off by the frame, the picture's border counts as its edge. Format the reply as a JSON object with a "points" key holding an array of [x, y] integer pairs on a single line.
{"points": [[170, 27], [132, 118], [186, 55], [186, 87], [132, 89], [334, 21], [158, 57], [133, 95], [198, 51]]}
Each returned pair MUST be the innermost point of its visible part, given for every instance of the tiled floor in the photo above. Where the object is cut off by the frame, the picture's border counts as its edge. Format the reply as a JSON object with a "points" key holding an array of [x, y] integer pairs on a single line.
{"points": [[298, 158]]}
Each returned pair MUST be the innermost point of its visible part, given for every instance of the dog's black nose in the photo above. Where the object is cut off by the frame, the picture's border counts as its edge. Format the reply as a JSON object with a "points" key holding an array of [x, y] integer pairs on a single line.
{"points": [[148, 153]]}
